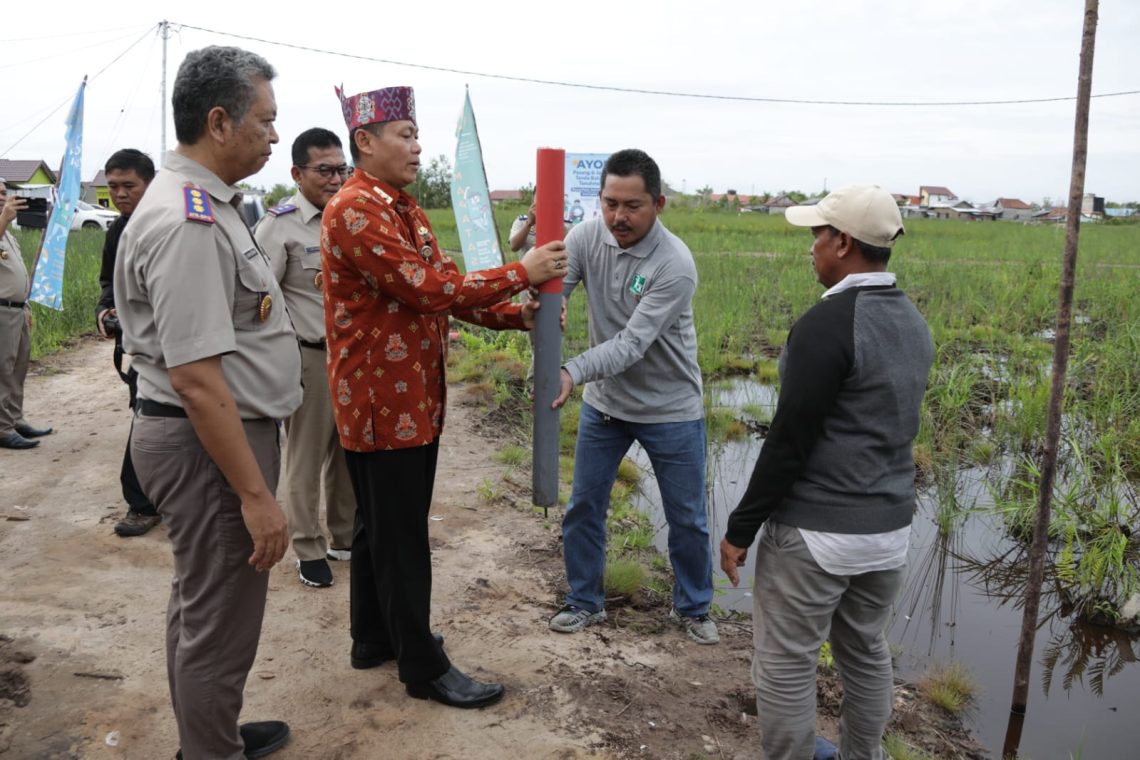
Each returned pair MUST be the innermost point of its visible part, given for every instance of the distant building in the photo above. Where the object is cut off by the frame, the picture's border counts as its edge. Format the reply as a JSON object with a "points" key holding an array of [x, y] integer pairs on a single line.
{"points": [[931, 195], [778, 204], [1013, 209], [509, 196], [26, 172], [1120, 213], [1092, 205]]}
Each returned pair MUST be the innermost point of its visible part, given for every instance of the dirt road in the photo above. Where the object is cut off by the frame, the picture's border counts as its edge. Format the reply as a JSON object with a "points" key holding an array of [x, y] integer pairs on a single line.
{"points": [[82, 663], [87, 609]]}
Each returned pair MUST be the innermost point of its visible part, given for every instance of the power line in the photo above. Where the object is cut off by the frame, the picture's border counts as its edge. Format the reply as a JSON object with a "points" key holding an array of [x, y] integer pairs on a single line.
{"points": [[84, 33], [70, 97], [664, 93]]}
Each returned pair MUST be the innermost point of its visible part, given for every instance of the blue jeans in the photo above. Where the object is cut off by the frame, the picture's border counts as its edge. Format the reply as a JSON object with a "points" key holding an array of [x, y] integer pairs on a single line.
{"points": [[677, 452]]}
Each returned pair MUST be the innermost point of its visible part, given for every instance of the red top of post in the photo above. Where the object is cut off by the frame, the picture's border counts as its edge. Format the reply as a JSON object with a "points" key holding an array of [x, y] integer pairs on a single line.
{"points": [[550, 179]]}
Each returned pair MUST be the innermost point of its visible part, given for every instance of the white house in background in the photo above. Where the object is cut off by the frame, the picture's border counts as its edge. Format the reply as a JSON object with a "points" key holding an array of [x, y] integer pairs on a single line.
{"points": [[935, 195]]}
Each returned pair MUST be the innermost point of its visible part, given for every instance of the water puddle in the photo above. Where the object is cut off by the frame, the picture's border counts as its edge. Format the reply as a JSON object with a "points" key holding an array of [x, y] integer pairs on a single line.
{"points": [[960, 603]]}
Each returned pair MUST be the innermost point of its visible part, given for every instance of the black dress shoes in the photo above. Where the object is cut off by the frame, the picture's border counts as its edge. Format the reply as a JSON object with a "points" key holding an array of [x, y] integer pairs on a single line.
{"points": [[260, 738], [456, 689], [30, 432], [367, 656], [17, 441]]}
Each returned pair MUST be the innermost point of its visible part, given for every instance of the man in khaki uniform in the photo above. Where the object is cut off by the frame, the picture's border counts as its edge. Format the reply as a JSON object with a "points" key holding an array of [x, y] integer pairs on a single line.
{"points": [[290, 235], [218, 365], [15, 332]]}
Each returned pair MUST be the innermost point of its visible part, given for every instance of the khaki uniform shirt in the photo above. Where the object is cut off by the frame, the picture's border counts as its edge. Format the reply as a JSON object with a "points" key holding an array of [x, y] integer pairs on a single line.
{"points": [[191, 283], [13, 273], [290, 235]]}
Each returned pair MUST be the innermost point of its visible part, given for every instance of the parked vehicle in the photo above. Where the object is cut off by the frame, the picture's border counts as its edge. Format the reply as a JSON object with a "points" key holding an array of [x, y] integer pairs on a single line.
{"points": [[88, 217]]}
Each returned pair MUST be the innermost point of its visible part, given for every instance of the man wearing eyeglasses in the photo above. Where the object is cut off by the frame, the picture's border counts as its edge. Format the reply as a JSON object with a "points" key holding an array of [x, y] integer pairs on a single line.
{"points": [[290, 236]]}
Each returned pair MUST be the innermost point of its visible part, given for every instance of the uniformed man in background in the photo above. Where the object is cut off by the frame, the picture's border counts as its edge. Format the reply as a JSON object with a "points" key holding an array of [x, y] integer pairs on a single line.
{"points": [[218, 364], [290, 235], [15, 332]]}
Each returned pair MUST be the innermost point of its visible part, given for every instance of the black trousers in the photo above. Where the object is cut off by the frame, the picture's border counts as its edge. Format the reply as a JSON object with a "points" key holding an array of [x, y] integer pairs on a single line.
{"points": [[391, 559], [132, 491]]}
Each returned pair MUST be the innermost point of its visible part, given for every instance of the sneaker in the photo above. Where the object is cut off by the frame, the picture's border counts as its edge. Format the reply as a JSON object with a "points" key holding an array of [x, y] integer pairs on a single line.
{"points": [[571, 619], [136, 524], [701, 628], [339, 555], [825, 750], [314, 572]]}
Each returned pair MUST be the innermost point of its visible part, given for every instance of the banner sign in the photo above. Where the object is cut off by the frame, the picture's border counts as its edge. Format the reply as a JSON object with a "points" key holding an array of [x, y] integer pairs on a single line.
{"points": [[583, 183], [47, 276], [470, 199]]}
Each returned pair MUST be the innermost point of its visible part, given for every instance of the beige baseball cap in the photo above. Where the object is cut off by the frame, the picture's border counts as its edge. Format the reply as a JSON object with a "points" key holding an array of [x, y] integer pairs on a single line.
{"points": [[867, 213]]}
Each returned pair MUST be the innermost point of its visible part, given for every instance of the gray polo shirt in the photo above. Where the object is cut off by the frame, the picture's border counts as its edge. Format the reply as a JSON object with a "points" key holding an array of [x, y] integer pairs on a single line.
{"points": [[642, 361], [290, 235], [190, 283]]}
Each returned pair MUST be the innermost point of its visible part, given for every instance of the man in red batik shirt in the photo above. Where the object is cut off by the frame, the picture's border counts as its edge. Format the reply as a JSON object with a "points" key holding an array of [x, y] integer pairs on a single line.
{"points": [[389, 291]]}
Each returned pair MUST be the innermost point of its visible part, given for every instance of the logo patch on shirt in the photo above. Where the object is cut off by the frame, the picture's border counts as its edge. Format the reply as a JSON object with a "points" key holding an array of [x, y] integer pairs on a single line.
{"points": [[637, 284], [198, 207]]}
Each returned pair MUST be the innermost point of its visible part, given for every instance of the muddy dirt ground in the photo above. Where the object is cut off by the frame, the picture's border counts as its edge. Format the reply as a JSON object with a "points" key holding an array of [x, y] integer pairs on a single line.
{"points": [[82, 665]]}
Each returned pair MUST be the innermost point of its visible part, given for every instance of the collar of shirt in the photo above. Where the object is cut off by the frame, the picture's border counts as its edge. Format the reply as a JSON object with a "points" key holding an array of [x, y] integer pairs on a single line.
{"points": [[305, 208], [200, 176], [861, 280], [382, 190], [641, 248]]}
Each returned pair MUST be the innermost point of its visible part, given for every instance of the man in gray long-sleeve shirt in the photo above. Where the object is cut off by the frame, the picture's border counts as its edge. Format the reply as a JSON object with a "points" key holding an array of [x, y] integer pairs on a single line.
{"points": [[642, 384], [834, 485]]}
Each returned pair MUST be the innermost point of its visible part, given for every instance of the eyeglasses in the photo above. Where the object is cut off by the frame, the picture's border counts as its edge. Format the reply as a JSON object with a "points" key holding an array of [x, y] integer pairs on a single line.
{"points": [[327, 170]]}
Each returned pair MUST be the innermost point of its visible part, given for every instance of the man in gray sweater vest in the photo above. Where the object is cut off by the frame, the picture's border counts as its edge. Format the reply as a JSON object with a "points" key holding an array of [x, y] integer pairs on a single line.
{"points": [[834, 485], [642, 384]]}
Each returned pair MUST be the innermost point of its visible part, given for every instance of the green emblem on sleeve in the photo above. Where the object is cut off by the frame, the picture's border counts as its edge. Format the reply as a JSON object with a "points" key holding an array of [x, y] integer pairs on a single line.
{"points": [[637, 284]]}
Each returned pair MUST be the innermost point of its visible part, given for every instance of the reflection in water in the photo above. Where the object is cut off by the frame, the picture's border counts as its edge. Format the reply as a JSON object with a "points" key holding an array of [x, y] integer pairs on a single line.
{"points": [[961, 602]]}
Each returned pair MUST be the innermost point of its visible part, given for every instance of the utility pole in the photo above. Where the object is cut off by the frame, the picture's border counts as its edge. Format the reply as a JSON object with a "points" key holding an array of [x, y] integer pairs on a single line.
{"points": [[164, 30], [1029, 623]]}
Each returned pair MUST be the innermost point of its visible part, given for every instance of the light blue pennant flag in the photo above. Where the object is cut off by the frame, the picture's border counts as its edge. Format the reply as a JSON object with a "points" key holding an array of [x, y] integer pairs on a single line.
{"points": [[47, 277]]}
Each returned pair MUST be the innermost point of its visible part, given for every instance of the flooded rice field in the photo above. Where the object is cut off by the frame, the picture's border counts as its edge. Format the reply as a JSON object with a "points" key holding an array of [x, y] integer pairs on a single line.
{"points": [[960, 604]]}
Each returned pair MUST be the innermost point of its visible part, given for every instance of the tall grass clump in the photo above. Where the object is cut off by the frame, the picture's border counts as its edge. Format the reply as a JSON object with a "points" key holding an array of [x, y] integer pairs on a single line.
{"points": [[950, 687], [54, 330]]}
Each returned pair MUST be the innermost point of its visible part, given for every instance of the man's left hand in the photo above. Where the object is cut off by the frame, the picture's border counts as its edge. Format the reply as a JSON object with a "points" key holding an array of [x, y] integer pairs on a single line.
{"points": [[732, 557], [567, 382], [531, 306]]}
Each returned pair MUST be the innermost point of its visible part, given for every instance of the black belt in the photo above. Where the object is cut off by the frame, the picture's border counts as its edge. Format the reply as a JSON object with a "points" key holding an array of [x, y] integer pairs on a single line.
{"points": [[154, 409], [319, 345], [12, 304], [149, 408]]}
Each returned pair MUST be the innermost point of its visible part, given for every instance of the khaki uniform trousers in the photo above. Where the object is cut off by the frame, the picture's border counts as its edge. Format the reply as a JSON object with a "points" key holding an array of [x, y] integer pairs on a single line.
{"points": [[313, 457], [15, 348], [217, 600]]}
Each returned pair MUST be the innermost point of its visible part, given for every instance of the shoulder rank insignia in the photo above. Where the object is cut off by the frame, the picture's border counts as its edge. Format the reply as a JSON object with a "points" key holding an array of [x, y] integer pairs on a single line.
{"points": [[284, 208], [198, 207]]}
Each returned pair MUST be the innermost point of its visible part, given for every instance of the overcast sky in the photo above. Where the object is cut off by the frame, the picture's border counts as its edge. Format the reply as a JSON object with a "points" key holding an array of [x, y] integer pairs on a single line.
{"points": [[880, 51]]}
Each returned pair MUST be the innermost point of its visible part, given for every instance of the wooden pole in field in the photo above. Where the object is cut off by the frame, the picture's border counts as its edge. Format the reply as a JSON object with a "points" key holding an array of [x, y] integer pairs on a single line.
{"points": [[1057, 391], [548, 194]]}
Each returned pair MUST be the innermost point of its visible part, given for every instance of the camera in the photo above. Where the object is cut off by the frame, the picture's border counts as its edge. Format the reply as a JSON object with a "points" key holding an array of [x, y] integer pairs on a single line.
{"points": [[35, 214], [111, 325]]}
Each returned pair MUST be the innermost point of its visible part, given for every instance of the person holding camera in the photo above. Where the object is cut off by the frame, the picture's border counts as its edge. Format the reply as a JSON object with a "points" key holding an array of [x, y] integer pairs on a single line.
{"points": [[128, 172], [15, 332]]}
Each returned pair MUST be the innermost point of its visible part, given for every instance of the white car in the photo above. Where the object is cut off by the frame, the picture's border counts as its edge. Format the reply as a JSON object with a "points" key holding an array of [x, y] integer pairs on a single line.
{"points": [[88, 217]]}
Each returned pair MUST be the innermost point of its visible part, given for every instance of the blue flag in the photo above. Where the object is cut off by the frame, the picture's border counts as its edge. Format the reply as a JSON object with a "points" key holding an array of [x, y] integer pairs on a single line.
{"points": [[470, 199], [47, 278]]}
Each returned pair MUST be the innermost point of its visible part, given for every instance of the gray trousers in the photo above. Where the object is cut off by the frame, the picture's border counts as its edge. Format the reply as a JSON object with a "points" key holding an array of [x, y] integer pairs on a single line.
{"points": [[796, 607], [15, 348], [313, 456], [217, 599]]}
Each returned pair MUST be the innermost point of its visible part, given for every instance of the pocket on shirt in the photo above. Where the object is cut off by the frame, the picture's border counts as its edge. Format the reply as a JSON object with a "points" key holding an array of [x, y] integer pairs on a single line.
{"points": [[311, 259], [251, 288]]}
